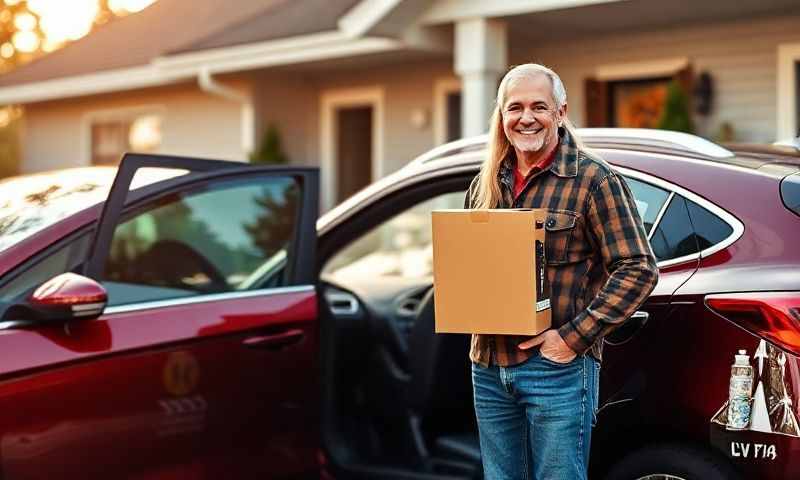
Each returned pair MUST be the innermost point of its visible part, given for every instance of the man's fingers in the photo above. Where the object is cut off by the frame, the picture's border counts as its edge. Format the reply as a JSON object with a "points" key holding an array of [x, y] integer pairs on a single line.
{"points": [[532, 342]]}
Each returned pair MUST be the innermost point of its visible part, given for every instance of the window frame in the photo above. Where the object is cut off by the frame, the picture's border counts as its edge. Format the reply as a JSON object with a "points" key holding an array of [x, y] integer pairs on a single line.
{"points": [[736, 225], [787, 91], [442, 88]]}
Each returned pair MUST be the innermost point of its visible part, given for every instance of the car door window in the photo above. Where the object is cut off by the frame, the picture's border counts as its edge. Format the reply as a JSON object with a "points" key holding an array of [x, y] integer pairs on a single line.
{"points": [[649, 200], [709, 228], [400, 247], [233, 236], [674, 236]]}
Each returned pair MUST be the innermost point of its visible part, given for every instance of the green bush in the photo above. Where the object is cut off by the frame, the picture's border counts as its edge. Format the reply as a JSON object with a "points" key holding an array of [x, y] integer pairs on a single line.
{"points": [[676, 115], [269, 151]]}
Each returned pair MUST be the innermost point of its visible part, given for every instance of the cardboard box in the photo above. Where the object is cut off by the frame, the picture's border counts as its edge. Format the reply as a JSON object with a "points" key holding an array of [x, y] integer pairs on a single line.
{"points": [[489, 271]]}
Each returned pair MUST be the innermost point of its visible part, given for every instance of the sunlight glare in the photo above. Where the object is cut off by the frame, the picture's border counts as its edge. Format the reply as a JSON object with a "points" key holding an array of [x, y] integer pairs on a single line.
{"points": [[7, 50], [145, 133], [129, 6], [25, 21], [25, 41], [61, 21], [49, 45]]}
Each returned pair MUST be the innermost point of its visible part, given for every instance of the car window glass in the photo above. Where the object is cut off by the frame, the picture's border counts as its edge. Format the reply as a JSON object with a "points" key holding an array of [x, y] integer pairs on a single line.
{"points": [[674, 236], [228, 237], [64, 259], [400, 247], [31, 203], [649, 200], [790, 192], [709, 228]]}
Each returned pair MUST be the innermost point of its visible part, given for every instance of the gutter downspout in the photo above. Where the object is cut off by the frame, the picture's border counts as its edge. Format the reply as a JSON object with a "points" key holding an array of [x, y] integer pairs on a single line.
{"points": [[208, 84]]}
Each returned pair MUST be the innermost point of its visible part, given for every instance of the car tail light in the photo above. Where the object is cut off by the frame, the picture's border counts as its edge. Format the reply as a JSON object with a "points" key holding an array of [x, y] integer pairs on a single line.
{"points": [[774, 316]]}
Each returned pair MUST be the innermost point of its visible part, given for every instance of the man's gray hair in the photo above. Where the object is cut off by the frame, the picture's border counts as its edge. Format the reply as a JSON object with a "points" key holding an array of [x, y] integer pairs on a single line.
{"points": [[528, 70]]}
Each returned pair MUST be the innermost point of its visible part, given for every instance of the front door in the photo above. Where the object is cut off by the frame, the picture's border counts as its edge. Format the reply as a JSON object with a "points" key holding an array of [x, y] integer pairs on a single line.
{"points": [[353, 150], [204, 364]]}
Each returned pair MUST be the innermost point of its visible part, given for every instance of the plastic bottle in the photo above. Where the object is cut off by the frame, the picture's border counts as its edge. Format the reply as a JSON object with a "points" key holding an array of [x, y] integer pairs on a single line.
{"points": [[740, 393]]}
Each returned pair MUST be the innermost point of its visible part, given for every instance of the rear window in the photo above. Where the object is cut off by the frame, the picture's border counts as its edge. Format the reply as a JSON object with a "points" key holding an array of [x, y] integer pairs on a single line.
{"points": [[790, 192], [709, 228], [674, 237]]}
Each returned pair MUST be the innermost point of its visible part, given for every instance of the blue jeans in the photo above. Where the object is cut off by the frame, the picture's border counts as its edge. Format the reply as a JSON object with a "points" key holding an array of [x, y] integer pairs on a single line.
{"points": [[535, 419]]}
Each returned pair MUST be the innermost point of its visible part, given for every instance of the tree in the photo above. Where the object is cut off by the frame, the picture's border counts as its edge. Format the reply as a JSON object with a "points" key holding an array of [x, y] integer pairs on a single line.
{"points": [[270, 151], [676, 115], [274, 228]]}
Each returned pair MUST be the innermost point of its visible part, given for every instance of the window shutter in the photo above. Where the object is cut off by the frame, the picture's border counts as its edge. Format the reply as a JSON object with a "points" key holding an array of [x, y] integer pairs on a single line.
{"points": [[596, 103], [685, 78]]}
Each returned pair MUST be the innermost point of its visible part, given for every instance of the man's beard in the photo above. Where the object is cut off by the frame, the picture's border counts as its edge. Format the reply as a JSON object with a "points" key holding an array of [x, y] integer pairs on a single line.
{"points": [[531, 145]]}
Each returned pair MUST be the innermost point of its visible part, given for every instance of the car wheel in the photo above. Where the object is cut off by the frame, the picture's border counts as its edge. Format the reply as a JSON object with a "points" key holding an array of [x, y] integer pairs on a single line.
{"points": [[672, 462]]}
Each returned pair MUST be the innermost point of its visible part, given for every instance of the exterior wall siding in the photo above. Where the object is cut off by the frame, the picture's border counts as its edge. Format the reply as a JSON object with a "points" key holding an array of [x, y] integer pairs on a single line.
{"points": [[193, 123], [292, 101], [406, 87], [740, 56]]}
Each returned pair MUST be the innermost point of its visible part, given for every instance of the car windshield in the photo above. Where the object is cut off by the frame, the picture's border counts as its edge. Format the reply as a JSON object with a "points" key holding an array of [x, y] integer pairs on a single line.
{"points": [[31, 203]]}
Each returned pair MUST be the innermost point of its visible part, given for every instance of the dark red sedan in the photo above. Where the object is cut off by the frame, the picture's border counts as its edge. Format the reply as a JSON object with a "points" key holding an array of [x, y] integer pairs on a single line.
{"points": [[205, 327]]}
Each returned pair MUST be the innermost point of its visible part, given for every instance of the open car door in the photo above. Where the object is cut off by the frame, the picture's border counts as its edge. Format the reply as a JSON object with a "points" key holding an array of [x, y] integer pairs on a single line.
{"points": [[204, 363]]}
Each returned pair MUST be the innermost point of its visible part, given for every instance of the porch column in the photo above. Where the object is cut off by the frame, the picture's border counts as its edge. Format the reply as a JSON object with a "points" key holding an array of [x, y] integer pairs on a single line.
{"points": [[480, 61]]}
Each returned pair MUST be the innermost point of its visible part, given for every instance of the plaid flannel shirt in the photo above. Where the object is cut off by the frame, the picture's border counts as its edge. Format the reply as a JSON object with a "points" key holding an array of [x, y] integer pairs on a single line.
{"points": [[599, 262]]}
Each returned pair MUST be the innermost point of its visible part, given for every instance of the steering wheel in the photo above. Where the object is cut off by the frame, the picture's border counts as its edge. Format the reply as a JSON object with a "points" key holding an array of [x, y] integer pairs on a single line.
{"points": [[172, 263]]}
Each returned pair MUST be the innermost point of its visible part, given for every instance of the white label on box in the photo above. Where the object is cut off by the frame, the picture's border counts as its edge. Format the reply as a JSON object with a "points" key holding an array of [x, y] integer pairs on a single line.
{"points": [[542, 305]]}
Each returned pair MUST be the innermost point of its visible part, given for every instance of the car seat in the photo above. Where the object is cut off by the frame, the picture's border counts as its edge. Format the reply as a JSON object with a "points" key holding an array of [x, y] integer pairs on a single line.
{"points": [[439, 391]]}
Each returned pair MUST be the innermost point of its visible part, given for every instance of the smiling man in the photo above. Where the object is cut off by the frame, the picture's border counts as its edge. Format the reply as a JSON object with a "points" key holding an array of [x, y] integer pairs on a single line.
{"points": [[536, 398]]}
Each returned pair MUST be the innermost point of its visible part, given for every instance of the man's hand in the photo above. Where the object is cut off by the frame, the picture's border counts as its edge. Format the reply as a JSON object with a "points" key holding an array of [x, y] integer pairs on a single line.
{"points": [[553, 347]]}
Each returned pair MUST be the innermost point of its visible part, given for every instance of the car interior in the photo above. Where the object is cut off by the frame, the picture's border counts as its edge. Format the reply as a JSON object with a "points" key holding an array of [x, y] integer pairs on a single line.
{"points": [[397, 396]]}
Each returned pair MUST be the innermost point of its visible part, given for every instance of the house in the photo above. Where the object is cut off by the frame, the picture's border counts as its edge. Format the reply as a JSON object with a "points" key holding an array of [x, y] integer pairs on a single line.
{"points": [[360, 87]]}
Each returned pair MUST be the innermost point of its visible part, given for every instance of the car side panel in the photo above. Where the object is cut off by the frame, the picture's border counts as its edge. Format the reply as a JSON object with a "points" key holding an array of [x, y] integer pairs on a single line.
{"points": [[164, 393], [621, 380]]}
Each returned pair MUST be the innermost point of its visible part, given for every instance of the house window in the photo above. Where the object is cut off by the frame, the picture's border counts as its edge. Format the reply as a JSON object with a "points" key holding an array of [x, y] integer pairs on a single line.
{"points": [[113, 136]]}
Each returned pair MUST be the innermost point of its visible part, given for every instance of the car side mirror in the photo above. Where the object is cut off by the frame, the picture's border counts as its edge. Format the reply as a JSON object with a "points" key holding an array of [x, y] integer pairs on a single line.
{"points": [[66, 297]]}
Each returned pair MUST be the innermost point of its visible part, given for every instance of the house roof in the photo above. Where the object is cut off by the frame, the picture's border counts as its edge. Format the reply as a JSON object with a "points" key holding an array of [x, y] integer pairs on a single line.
{"points": [[180, 26], [285, 20]]}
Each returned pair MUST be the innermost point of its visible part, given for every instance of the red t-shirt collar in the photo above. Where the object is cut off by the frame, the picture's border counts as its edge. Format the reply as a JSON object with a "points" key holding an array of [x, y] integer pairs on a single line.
{"points": [[520, 181]]}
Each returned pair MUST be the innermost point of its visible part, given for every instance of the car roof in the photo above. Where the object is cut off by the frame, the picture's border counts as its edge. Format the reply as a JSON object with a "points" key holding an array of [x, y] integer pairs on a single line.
{"points": [[468, 153], [658, 141]]}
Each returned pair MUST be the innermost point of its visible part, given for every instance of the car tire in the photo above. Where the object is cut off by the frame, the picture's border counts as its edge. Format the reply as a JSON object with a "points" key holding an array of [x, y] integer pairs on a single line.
{"points": [[672, 462]]}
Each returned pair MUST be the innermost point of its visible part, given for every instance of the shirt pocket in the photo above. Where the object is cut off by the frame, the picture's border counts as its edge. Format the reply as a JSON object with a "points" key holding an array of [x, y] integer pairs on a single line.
{"points": [[561, 236]]}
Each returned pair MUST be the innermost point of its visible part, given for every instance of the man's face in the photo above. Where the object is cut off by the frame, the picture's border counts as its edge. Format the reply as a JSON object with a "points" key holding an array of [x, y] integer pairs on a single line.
{"points": [[530, 116]]}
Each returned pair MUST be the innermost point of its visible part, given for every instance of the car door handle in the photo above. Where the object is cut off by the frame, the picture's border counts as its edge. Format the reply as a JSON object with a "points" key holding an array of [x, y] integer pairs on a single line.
{"points": [[275, 341], [628, 330]]}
